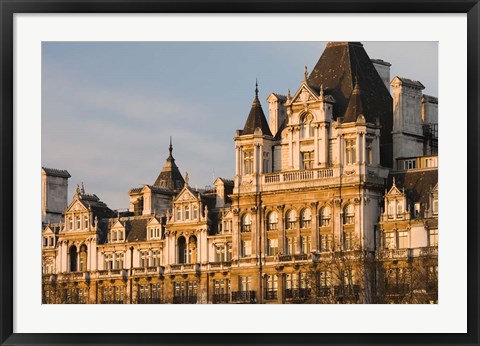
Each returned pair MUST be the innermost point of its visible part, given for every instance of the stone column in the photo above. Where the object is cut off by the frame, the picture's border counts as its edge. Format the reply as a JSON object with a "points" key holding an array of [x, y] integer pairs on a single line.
{"points": [[315, 229], [290, 147], [315, 145], [281, 229]]}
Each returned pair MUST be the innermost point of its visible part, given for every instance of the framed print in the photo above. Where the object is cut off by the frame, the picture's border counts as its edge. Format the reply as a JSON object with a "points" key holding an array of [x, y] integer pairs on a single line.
{"points": [[180, 172]]}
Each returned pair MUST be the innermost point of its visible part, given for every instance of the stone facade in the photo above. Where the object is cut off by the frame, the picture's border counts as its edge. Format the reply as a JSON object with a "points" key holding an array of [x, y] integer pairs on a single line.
{"points": [[312, 215]]}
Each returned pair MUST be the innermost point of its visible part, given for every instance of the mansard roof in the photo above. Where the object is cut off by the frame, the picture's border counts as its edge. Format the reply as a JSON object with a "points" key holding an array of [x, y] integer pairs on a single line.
{"points": [[170, 176], [53, 172], [336, 70], [256, 118], [418, 184], [91, 202]]}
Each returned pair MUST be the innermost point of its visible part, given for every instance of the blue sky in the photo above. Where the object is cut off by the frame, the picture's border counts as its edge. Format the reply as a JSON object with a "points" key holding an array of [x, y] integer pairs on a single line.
{"points": [[108, 108]]}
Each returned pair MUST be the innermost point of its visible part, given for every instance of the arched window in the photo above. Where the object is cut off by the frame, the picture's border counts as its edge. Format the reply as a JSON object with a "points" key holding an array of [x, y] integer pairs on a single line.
{"points": [[348, 214], [73, 258], [82, 258], [192, 250], [325, 215], [291, 219], [272, 224], [305, 218], [246, 223], [182, 250], [306, 130]]}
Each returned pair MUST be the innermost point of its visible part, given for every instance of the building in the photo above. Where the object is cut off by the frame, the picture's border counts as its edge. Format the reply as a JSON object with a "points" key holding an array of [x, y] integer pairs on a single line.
{"points": [[334, 200]]}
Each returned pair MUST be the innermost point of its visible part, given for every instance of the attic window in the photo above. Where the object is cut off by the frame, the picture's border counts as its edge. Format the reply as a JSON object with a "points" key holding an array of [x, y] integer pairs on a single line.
{"points": [[416, 209]]}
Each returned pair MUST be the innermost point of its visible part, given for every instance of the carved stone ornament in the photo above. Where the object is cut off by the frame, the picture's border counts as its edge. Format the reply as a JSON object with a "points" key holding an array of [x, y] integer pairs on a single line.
{"points": [[357, 200], [349, 172]]}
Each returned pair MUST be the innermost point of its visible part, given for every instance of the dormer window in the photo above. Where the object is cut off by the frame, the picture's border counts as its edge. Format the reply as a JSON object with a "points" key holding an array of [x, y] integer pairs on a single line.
{"points": [[70, 223], [178, 216], [399, 209], [306, 130], [435, 206], [78, 222], [85, 222], [116, 236], [154, 232], [187, 212]]}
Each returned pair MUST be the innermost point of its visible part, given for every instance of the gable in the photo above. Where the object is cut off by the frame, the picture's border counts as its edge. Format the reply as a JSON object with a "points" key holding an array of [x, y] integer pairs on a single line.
{"points": [[76, 206], [153, 222], [48, 231], [117, 225], [186, 196], [304, 94], [394, 191]]}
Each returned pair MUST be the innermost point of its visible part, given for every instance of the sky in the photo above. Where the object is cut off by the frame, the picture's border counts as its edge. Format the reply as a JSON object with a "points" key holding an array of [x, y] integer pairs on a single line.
{"points": [[109, 108]]}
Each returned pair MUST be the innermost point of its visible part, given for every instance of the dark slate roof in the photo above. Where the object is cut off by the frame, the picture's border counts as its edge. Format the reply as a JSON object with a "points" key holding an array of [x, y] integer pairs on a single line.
{"points": [[417, 183], [136, 230], [170, 176], [282, 126], [336, 70], [99, 208], [355, 105], [56, 172], [411, 82], [280, 97], [256, 118]]}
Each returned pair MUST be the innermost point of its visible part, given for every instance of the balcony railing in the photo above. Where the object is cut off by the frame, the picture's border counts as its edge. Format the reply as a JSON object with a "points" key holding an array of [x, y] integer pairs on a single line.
{"points": [[145, 271], [429, 251], [187, 267], [300, 257], [285, 258], [112, 273], [149, 301], [297, 176], [271, 295], [393, 253], [243, 297], [323, 291], [346, 291], [220, 265], [297, 293], [221, 298], [185, 300]]}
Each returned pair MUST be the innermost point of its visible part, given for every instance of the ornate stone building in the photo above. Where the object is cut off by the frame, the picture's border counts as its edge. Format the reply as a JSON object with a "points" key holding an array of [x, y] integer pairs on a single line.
{"points": [[334, 200]]}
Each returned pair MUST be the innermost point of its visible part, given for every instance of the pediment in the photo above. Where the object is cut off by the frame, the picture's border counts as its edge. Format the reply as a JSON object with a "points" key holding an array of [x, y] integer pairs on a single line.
{"points": [[228, 215], [186, 196], [47, 230], [153, 222], [394, 191], [76, 206], [118, 224], [304, 94]]}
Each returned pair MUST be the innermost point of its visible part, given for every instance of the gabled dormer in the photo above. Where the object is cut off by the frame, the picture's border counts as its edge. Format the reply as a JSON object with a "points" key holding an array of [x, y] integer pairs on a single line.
{"points": [[154, 229], [117, 232], [187, 204], [395, 204], [49, 237]]}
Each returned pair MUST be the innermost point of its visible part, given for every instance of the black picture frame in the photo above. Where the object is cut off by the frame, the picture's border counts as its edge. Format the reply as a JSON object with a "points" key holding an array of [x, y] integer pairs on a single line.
{"points": [[10, 7]]}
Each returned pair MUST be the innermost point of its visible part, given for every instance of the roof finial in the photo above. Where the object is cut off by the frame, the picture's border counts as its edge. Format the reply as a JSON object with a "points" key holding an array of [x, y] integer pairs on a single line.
{"points": [[170, 147], [83, 189], [288, 95], [256, 87], [305, 72], [77, 190], [186, 178], [321, 90], [393, 181]]}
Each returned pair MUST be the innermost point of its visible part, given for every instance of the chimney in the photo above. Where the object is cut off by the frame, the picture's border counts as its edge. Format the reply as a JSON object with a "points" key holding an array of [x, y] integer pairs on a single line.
{"points": [[383, 69]]}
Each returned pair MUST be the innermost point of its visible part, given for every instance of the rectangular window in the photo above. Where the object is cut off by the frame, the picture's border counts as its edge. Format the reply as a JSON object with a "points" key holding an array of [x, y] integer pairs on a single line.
{"points": [[187, 212], [399, 209], [402, 240], [179, 214], [70, 223], [389, 240], [348, 240], [265, 167], [307, 159], [245, 283], [156, 258], [229, 251], [369, 152], [433, 237], [119, 294], [85, 222], [416, 211], [325, 242], [144, 255], [247, 162], [246, 248], [45, 242], [350, 148], [219, 253], [79, 226], [108, 261], [409, 164], [306, 244], [435, 206], [272, 247], [291, 245], [119, 258]]}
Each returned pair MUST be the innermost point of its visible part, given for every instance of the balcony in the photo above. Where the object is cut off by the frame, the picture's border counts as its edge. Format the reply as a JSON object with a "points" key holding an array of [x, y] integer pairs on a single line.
{"points": [[149, 301], [221, 298], [300, 257], [112, 273], [49, 278], [185, 268], [185, 300], [74, 276], [297, 293], [244, 297], [271, 295], [285, 258], [220, 265], [323, 291], [294, 176], [346, 291], [148, 271], [429, 251], [392, 253]]}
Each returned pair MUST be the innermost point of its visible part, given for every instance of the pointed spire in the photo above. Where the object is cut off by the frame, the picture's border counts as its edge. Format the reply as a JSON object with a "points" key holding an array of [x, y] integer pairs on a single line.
{"points": [[170, 149], [256, 117], [256, 87]]}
